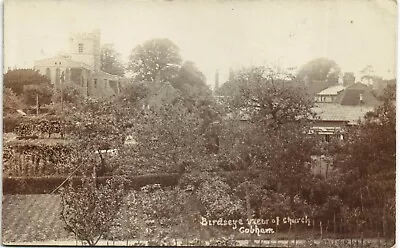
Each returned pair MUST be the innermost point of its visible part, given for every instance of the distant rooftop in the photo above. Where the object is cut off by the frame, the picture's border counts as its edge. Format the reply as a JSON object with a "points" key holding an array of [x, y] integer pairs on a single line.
{"points": [[337, 112], [333, 90]]}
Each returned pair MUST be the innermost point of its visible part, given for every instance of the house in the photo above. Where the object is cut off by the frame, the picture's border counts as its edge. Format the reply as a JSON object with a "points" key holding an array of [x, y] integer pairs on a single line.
{"points": [[81, 67], [333, 119], [338, 107], [358, 94], [329, 94]]}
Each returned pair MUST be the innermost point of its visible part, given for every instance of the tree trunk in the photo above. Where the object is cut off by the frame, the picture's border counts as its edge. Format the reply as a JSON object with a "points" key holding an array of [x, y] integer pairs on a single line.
{"points": [[37, 104]]}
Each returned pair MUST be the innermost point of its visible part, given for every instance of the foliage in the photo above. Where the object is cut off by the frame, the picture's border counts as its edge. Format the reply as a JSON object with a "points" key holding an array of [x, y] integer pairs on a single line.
{"points": [[368, 165], [155, 214], [89, 211], [26, 157], [38, 94], [99, 124], [272, 139], [110, 61], [29, 83], [40, 126], [11, 121], [217, 199], [157, 58], [224, 241], [191, 82], [71, 94], [167, 141], [11, 102], [320, 69], [45, 183], [134, 93]]}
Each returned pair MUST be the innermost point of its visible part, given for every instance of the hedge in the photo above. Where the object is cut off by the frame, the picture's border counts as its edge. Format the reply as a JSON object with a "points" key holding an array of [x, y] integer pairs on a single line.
{"points": [[45, 185], [11, 122]]}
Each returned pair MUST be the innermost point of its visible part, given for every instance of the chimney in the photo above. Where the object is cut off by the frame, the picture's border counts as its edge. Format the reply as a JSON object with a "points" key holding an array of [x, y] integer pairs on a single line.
{"points": [[216, 86]]}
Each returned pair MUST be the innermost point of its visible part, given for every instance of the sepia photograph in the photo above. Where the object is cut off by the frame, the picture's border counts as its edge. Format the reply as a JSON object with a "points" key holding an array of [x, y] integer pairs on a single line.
{"points": [[238, 123]]}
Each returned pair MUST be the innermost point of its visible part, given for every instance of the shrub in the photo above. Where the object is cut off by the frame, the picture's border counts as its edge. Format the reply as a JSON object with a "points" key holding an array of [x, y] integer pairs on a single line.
{"points": [[11, 122], [46, 184]]}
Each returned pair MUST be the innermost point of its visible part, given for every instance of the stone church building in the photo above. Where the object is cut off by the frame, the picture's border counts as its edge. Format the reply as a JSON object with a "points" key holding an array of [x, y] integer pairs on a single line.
{"points": [[81, 66]]}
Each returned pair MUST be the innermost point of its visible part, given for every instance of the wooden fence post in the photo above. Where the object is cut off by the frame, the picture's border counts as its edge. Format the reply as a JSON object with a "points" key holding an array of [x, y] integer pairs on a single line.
{"points": [[276, 228], [362, 239], [334, 225], [320, 229], [313, 229], [379, 240]]}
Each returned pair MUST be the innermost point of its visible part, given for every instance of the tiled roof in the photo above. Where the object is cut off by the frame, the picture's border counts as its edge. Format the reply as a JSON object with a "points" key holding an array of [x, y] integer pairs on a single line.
{"points": [[66, 62], [337, 112], [333, 90], [351, 97]]}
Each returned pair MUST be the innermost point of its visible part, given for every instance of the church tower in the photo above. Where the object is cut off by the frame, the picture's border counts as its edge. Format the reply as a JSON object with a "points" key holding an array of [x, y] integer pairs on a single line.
{"points": [[85, 48]]}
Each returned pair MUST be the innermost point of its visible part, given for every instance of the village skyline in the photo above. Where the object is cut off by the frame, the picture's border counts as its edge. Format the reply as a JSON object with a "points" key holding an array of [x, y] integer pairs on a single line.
{"points": [[215, 35]]}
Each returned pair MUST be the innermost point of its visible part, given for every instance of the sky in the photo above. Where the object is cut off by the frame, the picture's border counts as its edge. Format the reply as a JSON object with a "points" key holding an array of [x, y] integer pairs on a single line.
{"points": [[215, 34]]}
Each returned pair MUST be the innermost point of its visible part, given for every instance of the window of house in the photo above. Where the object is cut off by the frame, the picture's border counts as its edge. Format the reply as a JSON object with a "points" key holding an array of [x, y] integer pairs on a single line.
{"points": [[95, 83], [105, 82], [80, 47]]}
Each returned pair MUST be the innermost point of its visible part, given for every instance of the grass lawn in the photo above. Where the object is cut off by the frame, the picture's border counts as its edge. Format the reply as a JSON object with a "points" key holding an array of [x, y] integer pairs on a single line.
{"points": [[32, 217]]}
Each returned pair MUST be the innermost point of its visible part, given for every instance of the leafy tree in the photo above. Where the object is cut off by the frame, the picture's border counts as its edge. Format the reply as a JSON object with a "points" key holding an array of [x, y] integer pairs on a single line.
{"points": [[192, 84], [367, 72], [38, 94], [273, 141], [368, 164], [71, 95], [134, 93], [190, 75], [168, 140], [157, 58], [11, 102], [349, 78], [89, 211], [110, 61], [29, 84], [320, 69]]}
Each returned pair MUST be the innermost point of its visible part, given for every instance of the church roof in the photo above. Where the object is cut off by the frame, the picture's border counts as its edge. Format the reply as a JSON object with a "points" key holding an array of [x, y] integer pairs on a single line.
{"points": [[104, 74], [61, 61]]}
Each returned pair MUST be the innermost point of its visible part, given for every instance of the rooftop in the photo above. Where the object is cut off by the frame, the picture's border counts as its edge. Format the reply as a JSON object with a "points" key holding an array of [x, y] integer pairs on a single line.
{"points": [[333, 90], [337, 112]]}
